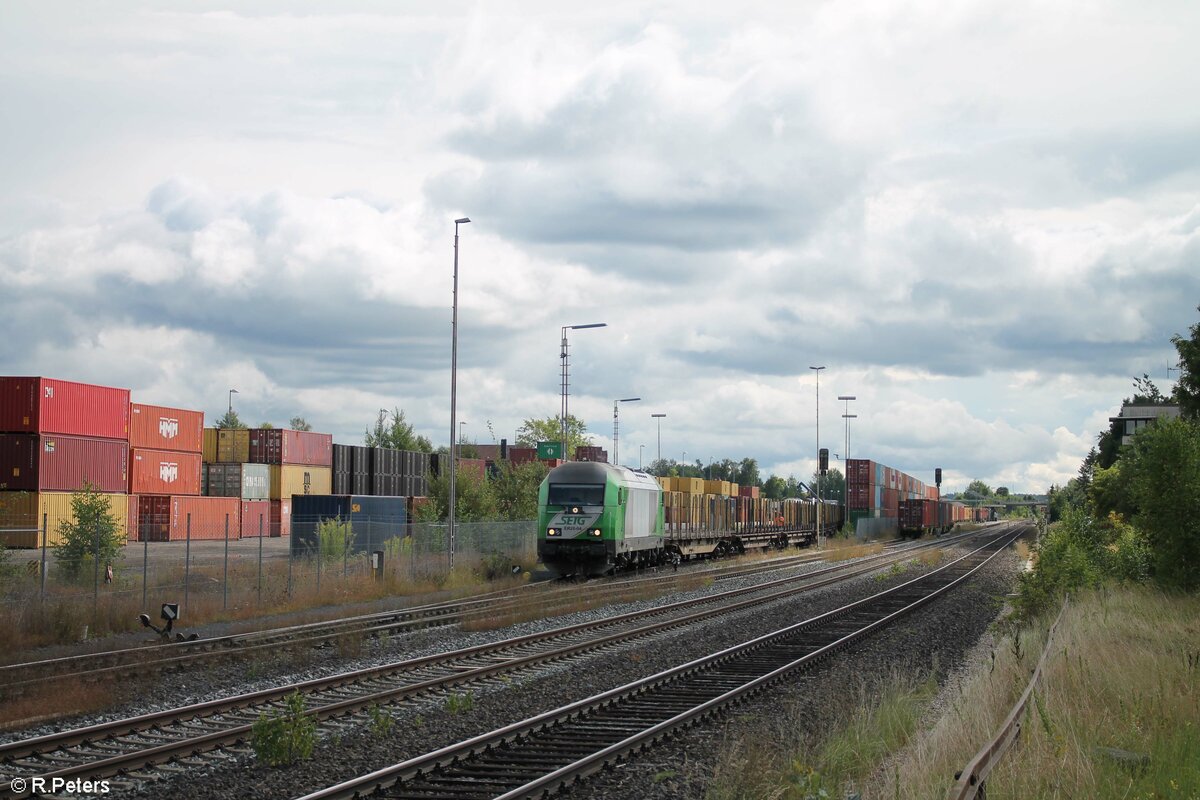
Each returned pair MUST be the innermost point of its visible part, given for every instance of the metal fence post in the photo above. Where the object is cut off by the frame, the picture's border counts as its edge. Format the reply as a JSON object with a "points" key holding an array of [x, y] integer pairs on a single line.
{"points": [[145, 559], [260, 538], [96, 571], [187, 560], [45, 537], [289, 583], [225, 587], [318, 561]]}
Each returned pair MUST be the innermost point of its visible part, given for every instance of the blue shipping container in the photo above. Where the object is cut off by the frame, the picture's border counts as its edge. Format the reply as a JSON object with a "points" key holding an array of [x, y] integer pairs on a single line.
{"points": [[372, 520]]}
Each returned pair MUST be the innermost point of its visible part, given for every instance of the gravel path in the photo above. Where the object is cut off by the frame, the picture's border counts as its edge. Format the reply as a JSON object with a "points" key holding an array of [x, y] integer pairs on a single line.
{"points": [[936, 636]]}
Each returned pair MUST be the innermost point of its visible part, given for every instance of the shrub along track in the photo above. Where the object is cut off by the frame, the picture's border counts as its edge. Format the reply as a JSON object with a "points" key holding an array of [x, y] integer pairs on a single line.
{"points": [[538, 756], [133, 745]]}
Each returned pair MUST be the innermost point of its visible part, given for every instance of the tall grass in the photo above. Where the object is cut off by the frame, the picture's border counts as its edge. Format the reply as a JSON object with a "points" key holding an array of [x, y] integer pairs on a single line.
{"points": [[1124, 674]]}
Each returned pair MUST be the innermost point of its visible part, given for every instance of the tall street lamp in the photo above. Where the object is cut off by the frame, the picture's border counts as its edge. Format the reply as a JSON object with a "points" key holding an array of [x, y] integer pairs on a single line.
{"points": [[232, 392], [659, 417], [641, 448], [818, 371], [616, 404], [453, 391], [564, 356], [848, 416], [461, 435]]}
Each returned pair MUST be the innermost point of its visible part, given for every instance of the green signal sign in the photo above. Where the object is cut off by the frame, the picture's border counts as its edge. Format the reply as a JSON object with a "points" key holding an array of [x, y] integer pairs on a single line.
{"points": [[549, 450]]}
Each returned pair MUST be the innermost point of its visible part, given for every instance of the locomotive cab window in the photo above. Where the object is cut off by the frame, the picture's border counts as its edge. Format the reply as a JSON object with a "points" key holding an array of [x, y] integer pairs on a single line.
{"points": [[566, 494]]}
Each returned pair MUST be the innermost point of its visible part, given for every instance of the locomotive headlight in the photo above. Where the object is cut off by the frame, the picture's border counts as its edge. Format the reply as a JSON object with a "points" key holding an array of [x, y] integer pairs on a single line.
{"points": [[595, 531], [574, 509], [552, 531]]}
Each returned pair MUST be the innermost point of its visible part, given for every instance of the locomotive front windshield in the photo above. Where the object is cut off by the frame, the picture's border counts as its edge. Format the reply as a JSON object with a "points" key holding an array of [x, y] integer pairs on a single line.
{"points": [[572, 494]]}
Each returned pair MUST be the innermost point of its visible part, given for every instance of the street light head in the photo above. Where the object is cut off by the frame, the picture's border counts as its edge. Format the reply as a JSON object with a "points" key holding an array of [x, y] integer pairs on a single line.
{"points": [[462, 221], [816, 368], [234, 391], [846, 397], [657, 415], [628, 399], [589, 325]]}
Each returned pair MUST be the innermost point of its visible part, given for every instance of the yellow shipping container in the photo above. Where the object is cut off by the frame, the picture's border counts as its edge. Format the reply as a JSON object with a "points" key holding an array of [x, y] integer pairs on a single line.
{"points": [[300, 479], [665, 483], [21, 513], [210, 445], [716, 487], [689, 485], [233, 445], [734, 489]]}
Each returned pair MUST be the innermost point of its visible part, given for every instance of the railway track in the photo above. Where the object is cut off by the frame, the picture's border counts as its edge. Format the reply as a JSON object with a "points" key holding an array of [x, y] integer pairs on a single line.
{"points": [[134, 746], [174, 656], [537, 756]]}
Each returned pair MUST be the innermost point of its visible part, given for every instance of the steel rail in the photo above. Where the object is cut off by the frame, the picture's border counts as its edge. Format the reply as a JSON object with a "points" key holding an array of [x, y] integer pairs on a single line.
{"points": [[271, 698], [431, 764], [969, 783]]}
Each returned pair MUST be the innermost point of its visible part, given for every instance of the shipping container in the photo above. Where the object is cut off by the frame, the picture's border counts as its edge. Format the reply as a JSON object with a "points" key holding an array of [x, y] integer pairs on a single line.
{"points": [[749, 491], [209, 450], [162, 428], [341, 481], [523, 455], [284, 446], [164, 472], [292, 479], [255, 516], [21, 516], [244, 481], [46, 405], [342, 461], [209, 517], [370, 520], [60, 463], [281, 518], [149, 518], [233, 445]]}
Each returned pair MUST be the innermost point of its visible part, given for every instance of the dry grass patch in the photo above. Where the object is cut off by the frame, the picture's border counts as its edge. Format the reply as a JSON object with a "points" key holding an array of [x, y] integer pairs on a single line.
{"points": [[1123, 675], [844, 550], [59, 699]]}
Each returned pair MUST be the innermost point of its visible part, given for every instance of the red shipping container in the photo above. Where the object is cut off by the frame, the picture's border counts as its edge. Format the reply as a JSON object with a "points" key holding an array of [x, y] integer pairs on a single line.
{"points": [[256, 519], [162, 428], [281, 446], [748, 491], [149, 517], [521, 455], [208, 517], [164, 472], [55, 463], [281, 517], [45, 405], [475, 466]]}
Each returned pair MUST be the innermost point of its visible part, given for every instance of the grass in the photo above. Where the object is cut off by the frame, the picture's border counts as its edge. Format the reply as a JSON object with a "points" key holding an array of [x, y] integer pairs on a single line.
{"points": [[793, 765], [54, 700], [845, 549], [1112, 682]]}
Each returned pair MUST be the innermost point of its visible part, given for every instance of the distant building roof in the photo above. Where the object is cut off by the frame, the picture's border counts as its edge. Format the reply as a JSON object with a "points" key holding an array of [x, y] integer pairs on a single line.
{"points": [[1135, 417]]}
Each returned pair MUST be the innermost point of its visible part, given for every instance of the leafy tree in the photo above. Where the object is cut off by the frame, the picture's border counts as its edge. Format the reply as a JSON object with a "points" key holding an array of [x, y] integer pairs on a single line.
{"points": [[299, 424], [92, 531], [399, 434], [1163, 466], [775, 488], [978, 490], [1146, 393], [516, 489], [832, 485], [231, 420], [549, 429], [266, 426], [474, 500], [1001, 491], [1187, 389], [748, 473]]}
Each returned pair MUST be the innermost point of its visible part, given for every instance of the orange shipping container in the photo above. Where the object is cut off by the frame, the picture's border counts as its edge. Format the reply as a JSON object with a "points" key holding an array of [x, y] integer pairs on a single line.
{"points": [[162, 428], [255, 519], [208, 516], [164, 472]]}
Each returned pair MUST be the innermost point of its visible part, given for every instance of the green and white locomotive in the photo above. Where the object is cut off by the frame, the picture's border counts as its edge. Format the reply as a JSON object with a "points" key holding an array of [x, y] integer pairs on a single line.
{"points": [[594, 517]]}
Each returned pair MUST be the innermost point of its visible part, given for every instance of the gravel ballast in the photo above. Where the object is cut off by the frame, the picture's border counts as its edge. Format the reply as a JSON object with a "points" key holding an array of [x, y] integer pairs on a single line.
{"points": [[932, 638]]}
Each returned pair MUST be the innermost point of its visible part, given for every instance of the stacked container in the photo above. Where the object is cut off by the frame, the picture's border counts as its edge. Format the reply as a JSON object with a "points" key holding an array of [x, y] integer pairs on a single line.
{"points": [[55, 436], [165, 460], [299, 462]]}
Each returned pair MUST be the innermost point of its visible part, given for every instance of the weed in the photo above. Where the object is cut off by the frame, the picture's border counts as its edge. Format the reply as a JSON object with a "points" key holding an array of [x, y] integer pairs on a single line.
{"points": [[460, 703], [665, 775], [287, 737], [381, 721]]}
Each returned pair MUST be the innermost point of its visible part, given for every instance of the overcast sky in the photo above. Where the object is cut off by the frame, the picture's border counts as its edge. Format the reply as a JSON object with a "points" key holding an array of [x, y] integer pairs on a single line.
{"points": [[982, 218]]}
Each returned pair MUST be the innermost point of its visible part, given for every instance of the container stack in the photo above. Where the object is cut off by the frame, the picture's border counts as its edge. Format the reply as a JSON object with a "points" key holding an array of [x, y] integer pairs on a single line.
{"points": [[55, 436], [299, 463], [876, 491], [165, 462]]}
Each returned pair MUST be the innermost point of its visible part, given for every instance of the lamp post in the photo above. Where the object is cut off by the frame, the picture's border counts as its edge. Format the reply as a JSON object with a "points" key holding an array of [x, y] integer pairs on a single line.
{"points": [[564, 357], [453, 392], [848, 416], [616, 404], [659, 417], [461, 436], [818, 371], [232, 392], [641, 448]]}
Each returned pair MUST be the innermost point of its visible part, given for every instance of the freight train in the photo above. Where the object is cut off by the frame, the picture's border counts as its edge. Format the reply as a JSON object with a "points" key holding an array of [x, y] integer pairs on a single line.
{"points": [[594, 518], [922, 515]]}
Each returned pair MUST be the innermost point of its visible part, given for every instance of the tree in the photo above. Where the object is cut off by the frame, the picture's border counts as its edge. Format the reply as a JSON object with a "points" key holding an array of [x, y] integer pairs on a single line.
{"points": [[748, 473], [1187, 390], [299, 424], [231, 420], [1001, 491], [398, 435], [775, 488], [1146, 393], [92, 531], [832, 485], [549, 429], [1163, 469], [266, 426], [516, 489], [978, 490], [474, 500]]}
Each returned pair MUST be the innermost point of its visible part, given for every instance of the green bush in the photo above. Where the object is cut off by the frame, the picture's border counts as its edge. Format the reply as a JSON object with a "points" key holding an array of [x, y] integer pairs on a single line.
{"points": [[287, 737], [336, 539], [1071, 556], [91, 533]]}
